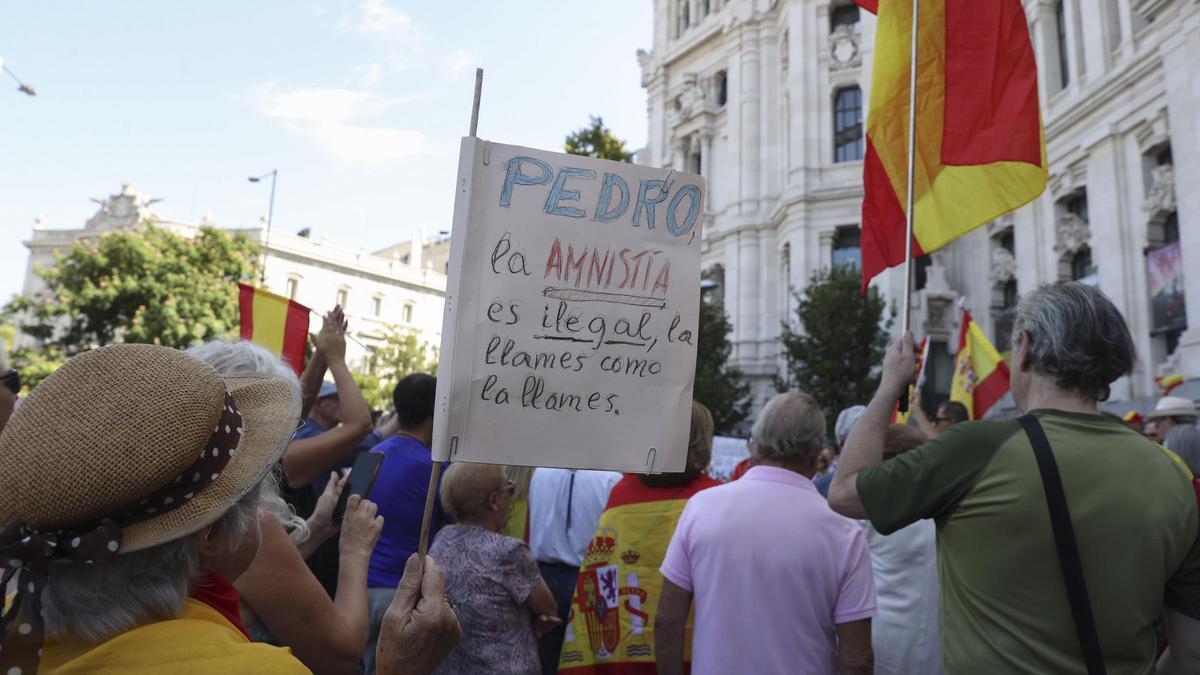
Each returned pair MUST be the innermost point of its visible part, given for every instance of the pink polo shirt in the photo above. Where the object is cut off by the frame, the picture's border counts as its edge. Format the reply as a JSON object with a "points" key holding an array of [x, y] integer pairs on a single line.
{"points": [[772, 570]]}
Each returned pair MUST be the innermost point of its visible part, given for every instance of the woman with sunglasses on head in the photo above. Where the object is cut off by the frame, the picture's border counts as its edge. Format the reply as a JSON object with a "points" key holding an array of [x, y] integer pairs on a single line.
{"points": [[502, 601]]}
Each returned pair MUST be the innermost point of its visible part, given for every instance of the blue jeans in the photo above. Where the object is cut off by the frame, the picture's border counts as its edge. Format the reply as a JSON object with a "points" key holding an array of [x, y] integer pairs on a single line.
{"points": [[561, 579]]}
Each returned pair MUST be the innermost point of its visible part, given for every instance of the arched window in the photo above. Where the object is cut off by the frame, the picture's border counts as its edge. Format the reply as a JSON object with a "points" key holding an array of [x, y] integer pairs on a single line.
{"points": [[846, 247], [847, 125], [844, 15]]}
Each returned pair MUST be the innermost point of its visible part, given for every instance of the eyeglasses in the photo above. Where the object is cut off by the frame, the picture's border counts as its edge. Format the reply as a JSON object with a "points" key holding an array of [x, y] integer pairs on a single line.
{"points": [[12, 381], [509, 487]]}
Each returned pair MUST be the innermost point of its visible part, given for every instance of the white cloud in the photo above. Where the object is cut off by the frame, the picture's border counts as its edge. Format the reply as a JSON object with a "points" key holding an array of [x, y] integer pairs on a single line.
{"points": [[410, 42], [327, 117], [368, 74], [457, 60]]}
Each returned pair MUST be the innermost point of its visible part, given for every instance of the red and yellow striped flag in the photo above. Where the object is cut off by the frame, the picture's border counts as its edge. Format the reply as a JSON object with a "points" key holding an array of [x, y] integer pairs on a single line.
{"points": [[275, 322], [980, 374], [980, 152], [1168, 383]]}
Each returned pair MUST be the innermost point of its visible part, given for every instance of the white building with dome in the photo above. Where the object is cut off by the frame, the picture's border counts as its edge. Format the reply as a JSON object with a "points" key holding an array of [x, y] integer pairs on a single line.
{"points": [[766, 99]]}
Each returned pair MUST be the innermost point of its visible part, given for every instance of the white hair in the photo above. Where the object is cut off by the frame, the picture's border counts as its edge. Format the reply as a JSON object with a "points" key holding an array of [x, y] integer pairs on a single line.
{"points": [[248, 359], [98, 602], [791, 428]]}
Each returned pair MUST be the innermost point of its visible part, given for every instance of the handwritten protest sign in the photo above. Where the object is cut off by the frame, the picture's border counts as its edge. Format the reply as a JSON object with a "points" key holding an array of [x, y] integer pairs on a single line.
{"points": [[569, 336]]}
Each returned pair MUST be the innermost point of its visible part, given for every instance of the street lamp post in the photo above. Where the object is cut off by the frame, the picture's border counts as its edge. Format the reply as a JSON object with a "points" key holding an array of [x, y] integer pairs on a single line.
{"points": [[270, 216], [21, 86]]}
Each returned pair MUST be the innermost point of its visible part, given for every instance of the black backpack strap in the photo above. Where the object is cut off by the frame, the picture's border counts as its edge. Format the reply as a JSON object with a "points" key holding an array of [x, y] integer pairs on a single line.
{"points": [[1068, 551]]}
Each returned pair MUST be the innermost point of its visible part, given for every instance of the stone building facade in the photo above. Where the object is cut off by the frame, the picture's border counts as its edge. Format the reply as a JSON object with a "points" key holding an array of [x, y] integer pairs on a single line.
{"points": [[767, 98], [396, 289]]}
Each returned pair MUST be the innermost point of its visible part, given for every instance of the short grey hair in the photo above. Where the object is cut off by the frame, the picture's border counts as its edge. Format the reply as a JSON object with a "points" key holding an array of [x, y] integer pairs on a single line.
{"points": [[1077, 338], [1184, 440], [245, 358], [791, 428], [98, 602]]}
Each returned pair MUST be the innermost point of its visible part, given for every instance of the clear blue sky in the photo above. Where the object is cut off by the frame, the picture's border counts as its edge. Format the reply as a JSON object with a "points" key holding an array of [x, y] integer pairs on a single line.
{"points": [[358, 103]]}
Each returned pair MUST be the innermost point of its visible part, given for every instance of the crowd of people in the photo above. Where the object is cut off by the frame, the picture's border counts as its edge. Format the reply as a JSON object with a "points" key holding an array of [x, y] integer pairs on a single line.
{"points": [[167, 511]]}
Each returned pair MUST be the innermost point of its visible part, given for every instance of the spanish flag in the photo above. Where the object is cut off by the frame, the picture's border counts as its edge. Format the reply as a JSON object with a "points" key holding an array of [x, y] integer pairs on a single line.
{"points": [[1168, 383], [980, 152], [275, 322], [610, 630], [980, 375]]}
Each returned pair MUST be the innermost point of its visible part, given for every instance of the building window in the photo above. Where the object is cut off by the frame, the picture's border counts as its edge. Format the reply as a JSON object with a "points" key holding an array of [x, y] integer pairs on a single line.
{"points": [[1114, 23], [846, 250], [703, 7], [1082, 269], [721, 82], [921, 265], [376, 306], [683, 17], [1060, 20], [844, 15], [847, 125], [293, 285], [342, 296], [407, 315]]}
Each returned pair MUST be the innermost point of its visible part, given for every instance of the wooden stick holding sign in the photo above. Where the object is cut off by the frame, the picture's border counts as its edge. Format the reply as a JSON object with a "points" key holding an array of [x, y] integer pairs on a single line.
{"points": [[435, 473]]}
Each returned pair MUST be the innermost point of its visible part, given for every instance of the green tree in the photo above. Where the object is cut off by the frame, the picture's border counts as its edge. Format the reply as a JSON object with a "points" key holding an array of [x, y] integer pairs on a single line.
{"points": [[836, 352], [596, 140], [144, 284], [403, 353], [722, 388]]}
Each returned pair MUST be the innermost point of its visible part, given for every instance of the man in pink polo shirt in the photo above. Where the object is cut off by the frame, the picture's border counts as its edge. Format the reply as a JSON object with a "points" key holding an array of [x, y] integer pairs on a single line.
{"points": [[781, 583]]}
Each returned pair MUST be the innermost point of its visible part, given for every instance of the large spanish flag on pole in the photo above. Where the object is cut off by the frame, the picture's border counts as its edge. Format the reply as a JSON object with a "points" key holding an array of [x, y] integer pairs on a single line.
{"points": [[980, 374], [979, 147], [275, 322]]}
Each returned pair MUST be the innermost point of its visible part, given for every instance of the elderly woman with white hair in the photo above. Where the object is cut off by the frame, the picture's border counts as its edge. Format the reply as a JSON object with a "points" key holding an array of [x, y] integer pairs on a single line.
{"points": [[1051, 559], [129, 504], [282, 601]]}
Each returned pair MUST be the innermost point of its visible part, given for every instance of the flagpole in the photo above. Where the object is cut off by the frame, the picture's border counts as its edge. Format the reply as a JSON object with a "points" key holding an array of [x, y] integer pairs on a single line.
{"points": [[906, 315], [435, 472]]}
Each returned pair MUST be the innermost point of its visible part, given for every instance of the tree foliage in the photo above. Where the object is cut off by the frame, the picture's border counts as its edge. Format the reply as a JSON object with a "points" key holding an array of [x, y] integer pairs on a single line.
{"points": [[719, 386], [836, 352], [144, 284], [596, 140], [403, 353]]}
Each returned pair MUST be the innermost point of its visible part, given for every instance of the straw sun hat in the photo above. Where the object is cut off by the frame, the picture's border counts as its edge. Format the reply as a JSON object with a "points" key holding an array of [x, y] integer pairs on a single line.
{"points": [[124, 448]]}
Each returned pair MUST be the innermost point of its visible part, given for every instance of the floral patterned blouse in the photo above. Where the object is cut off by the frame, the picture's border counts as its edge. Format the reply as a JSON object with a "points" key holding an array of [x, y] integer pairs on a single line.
{"points": [[488, 578]]}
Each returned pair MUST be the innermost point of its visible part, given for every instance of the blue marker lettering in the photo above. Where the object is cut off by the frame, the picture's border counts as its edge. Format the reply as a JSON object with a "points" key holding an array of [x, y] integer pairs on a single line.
{"points": [[558, 194], [603, 214], [693, 210], [648, 202], [513, 176]]}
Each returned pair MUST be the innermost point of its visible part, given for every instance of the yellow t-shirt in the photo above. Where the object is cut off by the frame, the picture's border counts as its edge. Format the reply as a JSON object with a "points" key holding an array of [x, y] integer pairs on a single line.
{"points": [[200, 642]]}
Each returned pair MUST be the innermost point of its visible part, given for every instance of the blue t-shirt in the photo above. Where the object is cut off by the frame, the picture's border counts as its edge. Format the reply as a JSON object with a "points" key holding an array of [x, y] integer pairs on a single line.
{"points": [[400, 493]]}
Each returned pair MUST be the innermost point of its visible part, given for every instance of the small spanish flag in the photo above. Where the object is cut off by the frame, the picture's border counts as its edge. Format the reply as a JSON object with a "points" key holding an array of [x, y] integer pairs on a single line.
{"points": [[1168, 383], [980, 375], [979, 147], [274, 322]]}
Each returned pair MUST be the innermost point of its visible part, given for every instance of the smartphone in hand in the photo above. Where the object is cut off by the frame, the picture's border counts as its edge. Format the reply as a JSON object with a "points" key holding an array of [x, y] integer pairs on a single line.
{"points": [[362, 479]]}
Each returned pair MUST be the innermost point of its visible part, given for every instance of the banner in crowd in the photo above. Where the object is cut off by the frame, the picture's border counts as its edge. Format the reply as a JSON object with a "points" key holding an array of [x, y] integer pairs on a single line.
{"points": [[979, 147], [980, 374], [1164, 274], [569, 336], [274, 322], [611, 625]]}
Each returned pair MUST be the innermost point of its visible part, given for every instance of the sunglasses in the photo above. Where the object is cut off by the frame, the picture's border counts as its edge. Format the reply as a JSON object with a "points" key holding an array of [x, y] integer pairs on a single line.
{"points": [[509, 487], [12, 381]]}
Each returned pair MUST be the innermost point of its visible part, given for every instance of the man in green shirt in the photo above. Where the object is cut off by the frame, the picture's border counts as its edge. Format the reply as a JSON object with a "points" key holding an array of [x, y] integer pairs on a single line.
{"points": [[1004, 604]]}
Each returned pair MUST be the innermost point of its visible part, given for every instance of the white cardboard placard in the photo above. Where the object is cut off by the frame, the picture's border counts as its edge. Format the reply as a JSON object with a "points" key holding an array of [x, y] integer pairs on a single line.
{"points": [[569, 336]]}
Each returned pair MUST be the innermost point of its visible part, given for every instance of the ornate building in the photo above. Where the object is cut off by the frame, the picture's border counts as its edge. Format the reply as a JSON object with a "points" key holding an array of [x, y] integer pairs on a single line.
{"points": [[766, 99], [394, 289]]}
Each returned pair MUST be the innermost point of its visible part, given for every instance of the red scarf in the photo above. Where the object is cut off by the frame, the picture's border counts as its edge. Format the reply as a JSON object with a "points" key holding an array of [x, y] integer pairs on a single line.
{"points": [[214, 591]]}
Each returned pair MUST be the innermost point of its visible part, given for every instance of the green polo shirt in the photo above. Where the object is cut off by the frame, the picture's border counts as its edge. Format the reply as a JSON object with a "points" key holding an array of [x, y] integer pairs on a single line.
{"points": [[1004, 607]]}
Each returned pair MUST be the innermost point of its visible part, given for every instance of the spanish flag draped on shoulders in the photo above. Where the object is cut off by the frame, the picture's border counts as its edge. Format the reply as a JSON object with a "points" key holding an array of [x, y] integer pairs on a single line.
{"points": [[611, 626], [979, 146]]}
